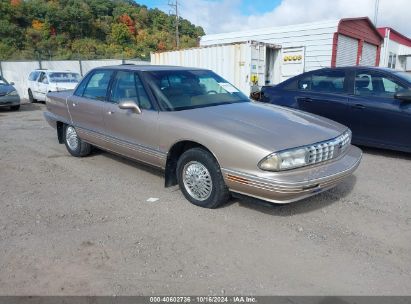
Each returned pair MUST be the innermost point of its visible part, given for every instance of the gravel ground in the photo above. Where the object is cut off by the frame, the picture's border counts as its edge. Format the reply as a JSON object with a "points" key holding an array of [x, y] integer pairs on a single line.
{"points": [[71, 226]]}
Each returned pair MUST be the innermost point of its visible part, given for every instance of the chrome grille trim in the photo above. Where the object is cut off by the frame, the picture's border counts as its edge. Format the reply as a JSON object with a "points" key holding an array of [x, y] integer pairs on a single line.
{"points": [[327, 150]]}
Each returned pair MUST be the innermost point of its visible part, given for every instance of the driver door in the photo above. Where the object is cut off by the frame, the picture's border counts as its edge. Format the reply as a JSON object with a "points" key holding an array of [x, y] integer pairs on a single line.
{"points": [[377, 117], [132, 134]]}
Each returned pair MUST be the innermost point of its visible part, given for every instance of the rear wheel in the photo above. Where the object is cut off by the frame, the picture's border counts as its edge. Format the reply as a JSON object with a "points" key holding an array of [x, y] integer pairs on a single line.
{"points": [[15, 108], [74, 144], [31, 98], [200, 179]]}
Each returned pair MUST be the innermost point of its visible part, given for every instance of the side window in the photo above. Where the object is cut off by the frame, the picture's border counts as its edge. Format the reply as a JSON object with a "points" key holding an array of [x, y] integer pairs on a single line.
{"points": [[329, 81], [80, 88], [96, 87], [304, 84], [127, 86], [143, 100], [43, 78], [33, 76], [375, 84]]}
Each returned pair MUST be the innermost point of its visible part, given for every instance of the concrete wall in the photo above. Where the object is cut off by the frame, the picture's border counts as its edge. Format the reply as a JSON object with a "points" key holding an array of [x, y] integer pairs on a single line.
{"points": [[18, 71]]}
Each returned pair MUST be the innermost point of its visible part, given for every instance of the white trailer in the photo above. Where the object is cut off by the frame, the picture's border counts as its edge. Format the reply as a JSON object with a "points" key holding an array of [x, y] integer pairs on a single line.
{"points": [[248, 65]]}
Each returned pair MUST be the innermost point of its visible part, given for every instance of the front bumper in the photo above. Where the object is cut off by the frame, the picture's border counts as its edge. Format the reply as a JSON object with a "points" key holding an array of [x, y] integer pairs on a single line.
{"points": [[9, 100], [288, 186]]}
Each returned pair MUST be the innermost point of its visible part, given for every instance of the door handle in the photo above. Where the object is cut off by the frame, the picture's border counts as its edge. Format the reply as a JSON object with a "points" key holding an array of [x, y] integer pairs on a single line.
{"points": [[110, 112], [358, 106], [74, 104]]}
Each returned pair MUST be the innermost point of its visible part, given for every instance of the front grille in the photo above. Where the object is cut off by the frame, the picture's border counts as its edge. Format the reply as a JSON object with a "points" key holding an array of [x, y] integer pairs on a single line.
{"points": [[328, 149]]}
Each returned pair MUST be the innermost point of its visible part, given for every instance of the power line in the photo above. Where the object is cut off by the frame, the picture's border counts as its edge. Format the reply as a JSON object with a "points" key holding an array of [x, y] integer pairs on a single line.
{"points": [[174, 11]]}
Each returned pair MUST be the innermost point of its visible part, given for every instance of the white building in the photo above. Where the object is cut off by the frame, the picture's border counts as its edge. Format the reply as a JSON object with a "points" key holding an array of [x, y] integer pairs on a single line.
{"points": [[396, 50], [274, 54]]}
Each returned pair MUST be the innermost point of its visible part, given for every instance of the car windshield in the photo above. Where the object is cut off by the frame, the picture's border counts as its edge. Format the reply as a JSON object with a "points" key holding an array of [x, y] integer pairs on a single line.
{"points": [[64, 77], [405, 76], [190, 89]]}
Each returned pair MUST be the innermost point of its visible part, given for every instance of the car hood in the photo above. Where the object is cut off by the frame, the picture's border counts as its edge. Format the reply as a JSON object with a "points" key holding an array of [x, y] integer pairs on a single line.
{"points": [[268, 126], [5, 89]]}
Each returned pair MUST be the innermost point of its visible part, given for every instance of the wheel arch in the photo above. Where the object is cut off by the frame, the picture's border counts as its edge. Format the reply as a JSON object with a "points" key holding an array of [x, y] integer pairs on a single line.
{"points": [[60, 132], [174, 154]]}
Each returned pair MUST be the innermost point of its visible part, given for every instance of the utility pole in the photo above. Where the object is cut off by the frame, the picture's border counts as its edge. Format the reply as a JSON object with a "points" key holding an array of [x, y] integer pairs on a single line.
{"points": [[174, 11], [376, 5]]}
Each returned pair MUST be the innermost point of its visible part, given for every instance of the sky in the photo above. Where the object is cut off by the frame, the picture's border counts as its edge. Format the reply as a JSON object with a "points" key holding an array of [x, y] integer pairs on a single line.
{"points": [[218, 16]]}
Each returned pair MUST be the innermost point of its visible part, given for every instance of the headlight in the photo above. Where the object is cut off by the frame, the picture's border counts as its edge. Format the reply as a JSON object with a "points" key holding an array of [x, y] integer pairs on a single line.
{"points": [[13, 93], [307, 155], [285, 160]]}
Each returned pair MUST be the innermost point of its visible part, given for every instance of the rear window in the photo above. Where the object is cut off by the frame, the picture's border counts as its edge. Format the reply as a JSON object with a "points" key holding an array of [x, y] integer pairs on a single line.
{"points": [[64, 77], [330, 81]]}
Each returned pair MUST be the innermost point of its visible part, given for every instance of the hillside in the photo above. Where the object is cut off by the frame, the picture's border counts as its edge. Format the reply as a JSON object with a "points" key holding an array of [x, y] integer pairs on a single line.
{"points": [[87, 29]]}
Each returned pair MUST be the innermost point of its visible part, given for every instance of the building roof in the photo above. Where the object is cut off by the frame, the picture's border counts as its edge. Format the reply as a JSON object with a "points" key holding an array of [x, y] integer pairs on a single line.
{"points": [[395, 36], [272, 30]]}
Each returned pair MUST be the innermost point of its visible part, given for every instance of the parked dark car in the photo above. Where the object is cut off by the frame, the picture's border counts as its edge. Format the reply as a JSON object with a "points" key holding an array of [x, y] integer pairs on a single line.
{"points": [[375, 103], [9, 98]]}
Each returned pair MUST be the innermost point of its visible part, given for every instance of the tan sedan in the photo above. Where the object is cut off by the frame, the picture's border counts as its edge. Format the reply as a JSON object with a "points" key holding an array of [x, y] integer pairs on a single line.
{"points": [[206, 135]]}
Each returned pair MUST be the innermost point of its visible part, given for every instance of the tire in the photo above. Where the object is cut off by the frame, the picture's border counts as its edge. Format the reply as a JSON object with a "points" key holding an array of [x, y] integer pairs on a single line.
{"points": [[74, 144], [200, 179], [15, 108], [31, 98]]}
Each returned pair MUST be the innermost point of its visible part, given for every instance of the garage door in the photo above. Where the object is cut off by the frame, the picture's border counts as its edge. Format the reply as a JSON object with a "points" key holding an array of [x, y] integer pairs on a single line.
{"points": [[347, 50], [369, 54]]}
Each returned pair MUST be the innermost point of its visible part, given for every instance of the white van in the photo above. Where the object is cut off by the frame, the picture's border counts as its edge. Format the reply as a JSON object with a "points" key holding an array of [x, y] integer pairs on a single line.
{"points": [[41, 82]]}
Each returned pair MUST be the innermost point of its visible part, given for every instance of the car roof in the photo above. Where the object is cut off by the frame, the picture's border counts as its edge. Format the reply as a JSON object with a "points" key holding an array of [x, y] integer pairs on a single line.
{"points": [[139, 67], [54, 71], [360, 68]]}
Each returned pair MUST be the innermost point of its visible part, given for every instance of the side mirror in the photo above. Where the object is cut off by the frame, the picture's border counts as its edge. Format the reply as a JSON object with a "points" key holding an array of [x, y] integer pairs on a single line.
{"points": [[129, 105], [404, 95]]}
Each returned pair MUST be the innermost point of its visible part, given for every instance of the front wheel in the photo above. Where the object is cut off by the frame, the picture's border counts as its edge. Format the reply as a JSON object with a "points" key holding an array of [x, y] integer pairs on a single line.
{"points": [[74, 144], [200, 179], [15, 108]]}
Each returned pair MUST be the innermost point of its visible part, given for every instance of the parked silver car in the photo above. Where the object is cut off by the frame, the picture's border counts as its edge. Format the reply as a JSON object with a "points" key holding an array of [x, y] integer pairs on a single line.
{"points": [[8, 95], [206, 135]]}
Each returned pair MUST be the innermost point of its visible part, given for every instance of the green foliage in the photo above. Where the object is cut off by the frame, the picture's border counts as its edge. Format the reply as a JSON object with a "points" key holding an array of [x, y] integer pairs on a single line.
{"points": [[87, 29]]}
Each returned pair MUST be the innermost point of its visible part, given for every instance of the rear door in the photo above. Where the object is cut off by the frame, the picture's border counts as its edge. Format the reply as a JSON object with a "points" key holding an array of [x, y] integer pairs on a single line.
{"points": [[87, 104], [324, 93], [377, 118], [131, 134], [36, 86], [42, 86]]}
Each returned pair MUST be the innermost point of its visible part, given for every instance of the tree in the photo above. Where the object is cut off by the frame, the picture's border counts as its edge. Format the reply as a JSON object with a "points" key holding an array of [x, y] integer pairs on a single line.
{"points": [[66, 29]]}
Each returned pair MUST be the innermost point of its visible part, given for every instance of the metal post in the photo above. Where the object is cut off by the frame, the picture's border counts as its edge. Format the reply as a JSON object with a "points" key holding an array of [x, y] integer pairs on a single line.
{"points": [[1, 70], [376, 5], [81, 67], [174, 7]]}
